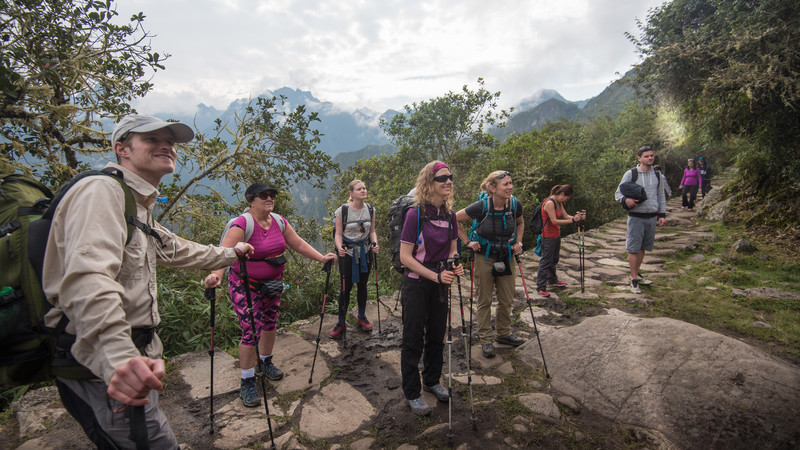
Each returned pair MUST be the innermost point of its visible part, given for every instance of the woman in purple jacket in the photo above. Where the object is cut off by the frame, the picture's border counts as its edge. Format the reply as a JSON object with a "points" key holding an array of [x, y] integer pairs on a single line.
{"points": [[692, 179]]}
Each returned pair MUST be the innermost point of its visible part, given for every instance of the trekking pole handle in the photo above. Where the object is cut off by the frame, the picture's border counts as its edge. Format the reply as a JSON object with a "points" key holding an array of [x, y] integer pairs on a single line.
{"points": [[211, 294], [327, 266], [452, 261], [239, 253], [517, 258]]}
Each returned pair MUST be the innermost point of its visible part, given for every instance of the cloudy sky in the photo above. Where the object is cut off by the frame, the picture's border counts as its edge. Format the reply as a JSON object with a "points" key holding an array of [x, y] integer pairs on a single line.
{"points": [[384, 53]]}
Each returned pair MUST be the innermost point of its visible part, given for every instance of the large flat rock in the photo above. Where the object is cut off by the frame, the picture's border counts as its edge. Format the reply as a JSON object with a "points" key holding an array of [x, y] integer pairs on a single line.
{"points": [[689, 384], [337, 410]]}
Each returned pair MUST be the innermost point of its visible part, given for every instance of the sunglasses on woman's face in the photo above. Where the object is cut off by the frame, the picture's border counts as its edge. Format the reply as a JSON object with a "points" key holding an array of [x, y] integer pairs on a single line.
{"points": [[443, 178], [263, 195]]}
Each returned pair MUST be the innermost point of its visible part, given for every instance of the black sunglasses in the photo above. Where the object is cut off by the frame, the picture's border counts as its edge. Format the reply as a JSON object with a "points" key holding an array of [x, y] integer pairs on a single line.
{"points": [[503, 175], [443, 178], [263, 195]]}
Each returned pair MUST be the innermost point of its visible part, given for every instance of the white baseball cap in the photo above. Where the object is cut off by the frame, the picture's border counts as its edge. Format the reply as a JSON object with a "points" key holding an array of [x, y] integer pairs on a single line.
{"points": [[137, 123]]}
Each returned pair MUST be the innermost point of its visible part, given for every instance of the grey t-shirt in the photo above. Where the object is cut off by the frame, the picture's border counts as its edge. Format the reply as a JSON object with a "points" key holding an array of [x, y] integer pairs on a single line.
{"points": [[357, 220]]}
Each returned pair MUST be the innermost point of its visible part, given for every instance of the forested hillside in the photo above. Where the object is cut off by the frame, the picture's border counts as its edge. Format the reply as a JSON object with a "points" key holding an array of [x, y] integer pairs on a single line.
{"points": [[717, 78]]}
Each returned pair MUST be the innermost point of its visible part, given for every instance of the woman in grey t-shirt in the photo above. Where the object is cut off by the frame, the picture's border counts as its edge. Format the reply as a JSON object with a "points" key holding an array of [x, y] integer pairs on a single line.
{"points": [[355, 240]]}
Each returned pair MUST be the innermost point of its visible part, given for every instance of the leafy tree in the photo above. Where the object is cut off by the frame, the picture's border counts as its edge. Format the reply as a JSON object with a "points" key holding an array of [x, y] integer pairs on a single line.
{"points": [[64, 66], [440, 127], [734, 69], [263, 143]]}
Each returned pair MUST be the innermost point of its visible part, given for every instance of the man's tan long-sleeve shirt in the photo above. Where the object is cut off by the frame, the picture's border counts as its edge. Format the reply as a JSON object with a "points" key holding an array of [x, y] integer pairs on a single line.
{"points": [[104, 287]]}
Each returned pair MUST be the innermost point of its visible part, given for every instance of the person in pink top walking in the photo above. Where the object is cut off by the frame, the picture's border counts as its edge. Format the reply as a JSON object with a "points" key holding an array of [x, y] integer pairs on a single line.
{"points": [[692, 179]]}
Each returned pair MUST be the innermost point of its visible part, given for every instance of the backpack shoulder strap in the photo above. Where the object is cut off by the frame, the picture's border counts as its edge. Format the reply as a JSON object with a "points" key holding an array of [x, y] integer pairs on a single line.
{"points": [[345, 210], [419, 216], [514, 209], [249, 225], [371, 211], [634, 174], [278, 218]]}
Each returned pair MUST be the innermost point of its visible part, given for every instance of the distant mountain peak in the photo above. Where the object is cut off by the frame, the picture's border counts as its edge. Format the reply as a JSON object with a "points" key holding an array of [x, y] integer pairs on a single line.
{"points": [[539, 97]]}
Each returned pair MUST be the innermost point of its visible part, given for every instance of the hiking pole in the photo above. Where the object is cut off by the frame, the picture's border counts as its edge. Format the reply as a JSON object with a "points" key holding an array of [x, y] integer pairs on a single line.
{"points": [[341, 275], [468, 340], [377, 293], [327, 269], [535, 329], [450, 263], [211, 296], [259, 371], [581, 253]]}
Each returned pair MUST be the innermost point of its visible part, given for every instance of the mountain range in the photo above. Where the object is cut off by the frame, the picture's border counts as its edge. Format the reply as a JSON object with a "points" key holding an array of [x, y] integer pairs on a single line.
{"points": [[351, 135]]}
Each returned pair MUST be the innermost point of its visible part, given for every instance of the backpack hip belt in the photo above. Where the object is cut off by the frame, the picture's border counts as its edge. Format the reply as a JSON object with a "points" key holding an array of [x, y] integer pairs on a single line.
{"points": [[65, 365], [263, 288], [493, 249]]}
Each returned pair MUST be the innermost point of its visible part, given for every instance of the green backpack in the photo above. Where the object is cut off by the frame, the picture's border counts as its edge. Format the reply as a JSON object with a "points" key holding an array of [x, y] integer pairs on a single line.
{"points": [[26, 211]]}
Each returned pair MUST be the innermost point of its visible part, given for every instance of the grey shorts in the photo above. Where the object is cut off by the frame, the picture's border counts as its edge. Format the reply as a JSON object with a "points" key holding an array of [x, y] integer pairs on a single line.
{"points": [[641, 234]]}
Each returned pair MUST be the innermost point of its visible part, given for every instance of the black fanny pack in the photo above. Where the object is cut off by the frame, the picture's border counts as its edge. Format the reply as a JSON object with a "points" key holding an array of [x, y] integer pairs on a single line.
{"points": [[276, 261]]}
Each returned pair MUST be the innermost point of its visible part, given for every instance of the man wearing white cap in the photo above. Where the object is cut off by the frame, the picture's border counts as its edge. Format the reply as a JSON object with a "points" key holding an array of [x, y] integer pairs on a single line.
{"points": [[107, 289]]}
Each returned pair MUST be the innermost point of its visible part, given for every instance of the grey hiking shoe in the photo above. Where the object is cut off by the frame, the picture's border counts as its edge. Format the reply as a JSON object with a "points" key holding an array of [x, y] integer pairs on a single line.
{"points": [[643, 280], [272, 372], [635, 287], [438, 390], [511, 340], [488, 350], [419, 406], [248, 392]]}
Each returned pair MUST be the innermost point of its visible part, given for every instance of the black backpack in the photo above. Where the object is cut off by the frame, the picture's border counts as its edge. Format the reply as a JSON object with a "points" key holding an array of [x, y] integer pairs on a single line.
{"points": [[396, 218], [632, 189], [26, 213], [536, 225]]}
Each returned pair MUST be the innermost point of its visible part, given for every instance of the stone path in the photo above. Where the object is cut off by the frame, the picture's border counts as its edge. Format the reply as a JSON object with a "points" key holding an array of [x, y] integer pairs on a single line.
{"points": [[673, 384]]}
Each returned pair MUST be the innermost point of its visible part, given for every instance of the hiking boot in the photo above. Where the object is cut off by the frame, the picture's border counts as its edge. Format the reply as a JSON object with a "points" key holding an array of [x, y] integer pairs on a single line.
{"points": [[544, 293], [248, 392], [272, 372], [561, 283], [643, 280], [419, 406], [338, 331], [438, 390], [635, 287], [511, 340], [488, 350], [364, 324]]}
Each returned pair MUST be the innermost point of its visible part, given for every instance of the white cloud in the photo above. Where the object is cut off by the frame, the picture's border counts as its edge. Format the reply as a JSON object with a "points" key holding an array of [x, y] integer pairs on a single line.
{"points": [[359, 53]]}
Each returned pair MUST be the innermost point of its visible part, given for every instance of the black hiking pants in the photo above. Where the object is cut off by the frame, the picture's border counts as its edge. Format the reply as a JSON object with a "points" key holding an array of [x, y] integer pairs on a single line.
{"points": [[346, 269], [551, 250], [689, 195], [424, 325]]}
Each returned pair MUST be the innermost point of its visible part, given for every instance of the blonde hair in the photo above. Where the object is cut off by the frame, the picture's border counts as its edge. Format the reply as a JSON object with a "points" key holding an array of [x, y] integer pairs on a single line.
{"points": [[424, 194], [491, 180], [352, 186]]}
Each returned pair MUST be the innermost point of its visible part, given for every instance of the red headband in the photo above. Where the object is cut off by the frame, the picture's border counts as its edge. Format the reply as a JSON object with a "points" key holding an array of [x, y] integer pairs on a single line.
{"points": [[439, 166]]}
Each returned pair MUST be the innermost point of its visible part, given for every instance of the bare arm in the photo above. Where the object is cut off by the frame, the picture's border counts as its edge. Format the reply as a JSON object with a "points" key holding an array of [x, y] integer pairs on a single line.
{"points": [[299, 245]]}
